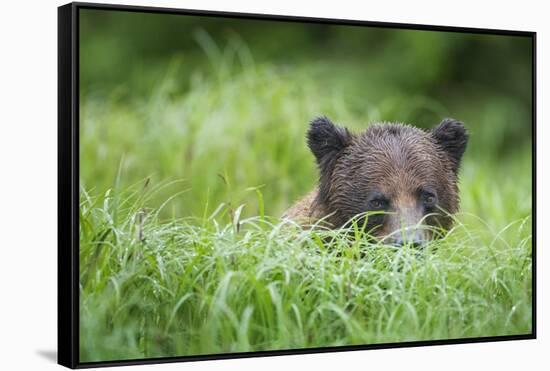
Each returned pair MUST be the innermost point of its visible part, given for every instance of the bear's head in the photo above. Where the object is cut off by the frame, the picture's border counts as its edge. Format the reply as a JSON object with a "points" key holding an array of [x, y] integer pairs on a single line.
{"points": [[405, 175]]}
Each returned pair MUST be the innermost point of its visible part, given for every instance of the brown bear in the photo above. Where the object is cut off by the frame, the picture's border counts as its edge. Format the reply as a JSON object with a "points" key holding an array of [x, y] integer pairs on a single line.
{"points": [[406, 175]]}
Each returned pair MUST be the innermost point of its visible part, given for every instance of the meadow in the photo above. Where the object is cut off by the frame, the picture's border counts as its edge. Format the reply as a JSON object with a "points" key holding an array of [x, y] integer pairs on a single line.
{"points": [[186, 169]]}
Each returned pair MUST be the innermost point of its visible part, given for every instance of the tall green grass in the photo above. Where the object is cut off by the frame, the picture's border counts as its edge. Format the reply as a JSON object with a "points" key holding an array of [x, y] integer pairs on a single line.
{"points": [[222, 283], [182, 253]]}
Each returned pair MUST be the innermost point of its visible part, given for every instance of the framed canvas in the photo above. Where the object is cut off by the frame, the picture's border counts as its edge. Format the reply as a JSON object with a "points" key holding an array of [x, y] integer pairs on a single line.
{"points": [[241, 185]]}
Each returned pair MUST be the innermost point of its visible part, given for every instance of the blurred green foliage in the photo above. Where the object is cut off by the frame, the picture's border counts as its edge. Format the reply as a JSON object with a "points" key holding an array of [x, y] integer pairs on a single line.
{"points": [[223, 104]]}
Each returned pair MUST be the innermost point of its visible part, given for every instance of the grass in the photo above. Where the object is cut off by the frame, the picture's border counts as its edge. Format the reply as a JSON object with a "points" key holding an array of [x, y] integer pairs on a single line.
{"points": [[224, 284], [182, 253]]}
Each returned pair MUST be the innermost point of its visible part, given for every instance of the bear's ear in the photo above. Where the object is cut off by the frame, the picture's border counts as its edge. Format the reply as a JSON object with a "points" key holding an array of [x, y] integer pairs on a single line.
{"points": [[452, 136], [325, 140]]}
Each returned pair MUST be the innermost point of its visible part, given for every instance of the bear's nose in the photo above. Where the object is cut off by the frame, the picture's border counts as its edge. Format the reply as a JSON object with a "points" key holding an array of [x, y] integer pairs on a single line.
{"points": [[414, 238], [415, 242]]}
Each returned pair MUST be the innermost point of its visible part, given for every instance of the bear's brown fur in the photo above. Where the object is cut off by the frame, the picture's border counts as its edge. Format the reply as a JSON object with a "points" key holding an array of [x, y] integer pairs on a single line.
{"points": [[406, 174]]}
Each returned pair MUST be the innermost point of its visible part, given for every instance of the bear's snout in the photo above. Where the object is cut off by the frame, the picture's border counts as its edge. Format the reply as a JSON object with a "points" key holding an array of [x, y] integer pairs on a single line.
{"points": [[406, 226], [415, 237]]}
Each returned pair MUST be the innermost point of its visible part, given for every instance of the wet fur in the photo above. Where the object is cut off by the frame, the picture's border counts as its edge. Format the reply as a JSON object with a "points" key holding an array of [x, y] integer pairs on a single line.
{"points": [[393, 159]]}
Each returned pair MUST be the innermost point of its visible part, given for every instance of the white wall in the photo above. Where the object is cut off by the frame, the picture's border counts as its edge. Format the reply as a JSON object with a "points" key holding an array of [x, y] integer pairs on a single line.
{"points": [[28, 114]]}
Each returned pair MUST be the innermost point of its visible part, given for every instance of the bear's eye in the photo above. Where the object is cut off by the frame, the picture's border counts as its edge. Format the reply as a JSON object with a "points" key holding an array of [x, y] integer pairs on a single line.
{"points": [[378, 204], [429, 199]]}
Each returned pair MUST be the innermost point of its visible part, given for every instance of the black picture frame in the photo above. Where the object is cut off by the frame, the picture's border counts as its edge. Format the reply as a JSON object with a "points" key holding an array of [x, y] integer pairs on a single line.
{"points": [[68, 182]]}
